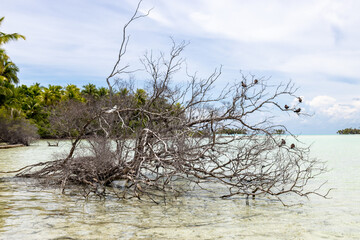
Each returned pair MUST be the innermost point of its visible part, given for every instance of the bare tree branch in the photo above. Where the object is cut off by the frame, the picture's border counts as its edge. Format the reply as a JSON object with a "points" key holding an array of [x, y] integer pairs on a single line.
{"points": [[150, 143]]}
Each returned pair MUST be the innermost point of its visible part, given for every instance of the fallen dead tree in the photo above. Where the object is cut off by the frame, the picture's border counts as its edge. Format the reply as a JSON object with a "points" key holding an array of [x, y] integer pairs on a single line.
{"points": [[151, 139]]}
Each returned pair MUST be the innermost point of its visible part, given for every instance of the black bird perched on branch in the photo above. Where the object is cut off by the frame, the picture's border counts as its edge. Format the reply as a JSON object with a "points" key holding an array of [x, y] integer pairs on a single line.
{"points": [[292, 146], [297, 110], [243, 84], [286, 106], [256, 81], [283, 142], [300, 99]]}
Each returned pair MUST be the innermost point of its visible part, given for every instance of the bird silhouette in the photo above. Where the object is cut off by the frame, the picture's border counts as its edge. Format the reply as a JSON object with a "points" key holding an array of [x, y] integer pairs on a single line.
{"points": [[300, 99], [297, 110], [256, 81], [286, 106], [292, 146], [243, 84]]}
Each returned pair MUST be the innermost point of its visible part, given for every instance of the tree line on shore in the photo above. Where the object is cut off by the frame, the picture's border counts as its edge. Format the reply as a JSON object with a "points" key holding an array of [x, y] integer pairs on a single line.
{"points": [[27, 109], [349, 131], [33, 105]]}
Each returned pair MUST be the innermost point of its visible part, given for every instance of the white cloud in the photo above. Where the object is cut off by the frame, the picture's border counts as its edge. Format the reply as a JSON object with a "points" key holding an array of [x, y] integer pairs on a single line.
{"points": [[341, 63], [331, 107], [291, 36], [322, 101], [314, 42], [157, 16]]}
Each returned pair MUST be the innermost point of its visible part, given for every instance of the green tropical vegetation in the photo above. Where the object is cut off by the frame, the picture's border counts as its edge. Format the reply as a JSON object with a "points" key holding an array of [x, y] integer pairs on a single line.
{"points": [[35, 103], [232, 131], [14, 126], [8, 69], [279, 131], [26, 109], [349, 131]]}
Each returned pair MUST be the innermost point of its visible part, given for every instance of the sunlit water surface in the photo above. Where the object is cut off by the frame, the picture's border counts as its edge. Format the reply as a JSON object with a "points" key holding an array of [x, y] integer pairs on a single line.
{"points": [[29, 211]]}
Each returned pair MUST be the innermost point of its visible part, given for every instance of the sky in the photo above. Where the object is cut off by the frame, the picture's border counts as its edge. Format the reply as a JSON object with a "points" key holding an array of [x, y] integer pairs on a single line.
{"points": [[313, 43]]}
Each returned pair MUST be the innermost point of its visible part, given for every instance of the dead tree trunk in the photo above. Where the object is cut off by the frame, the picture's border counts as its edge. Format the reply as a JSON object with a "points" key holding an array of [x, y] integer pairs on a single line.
{"points": [[153, 138]]}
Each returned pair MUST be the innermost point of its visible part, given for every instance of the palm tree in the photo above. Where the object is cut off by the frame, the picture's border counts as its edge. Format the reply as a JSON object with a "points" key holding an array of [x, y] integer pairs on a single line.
{"points": [[140, 97], [57, 92], [103, 91], [6, 91], [90, 90], [8, 69], [72, 92], [51, 95], [5, 37], [34, 90], [8, 76]]}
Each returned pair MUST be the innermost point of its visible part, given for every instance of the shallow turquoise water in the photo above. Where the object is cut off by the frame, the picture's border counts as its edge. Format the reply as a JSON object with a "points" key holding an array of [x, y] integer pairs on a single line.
{"points": [[33, 212]]}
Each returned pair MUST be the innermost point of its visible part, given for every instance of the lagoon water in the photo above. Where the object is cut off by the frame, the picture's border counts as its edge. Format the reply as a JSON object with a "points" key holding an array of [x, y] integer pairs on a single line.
{"points": [[29, 211]]}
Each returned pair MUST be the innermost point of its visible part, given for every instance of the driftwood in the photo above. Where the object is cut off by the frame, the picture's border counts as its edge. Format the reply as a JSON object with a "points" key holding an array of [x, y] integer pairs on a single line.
{"points": [[56, 144], [11, 146]]}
